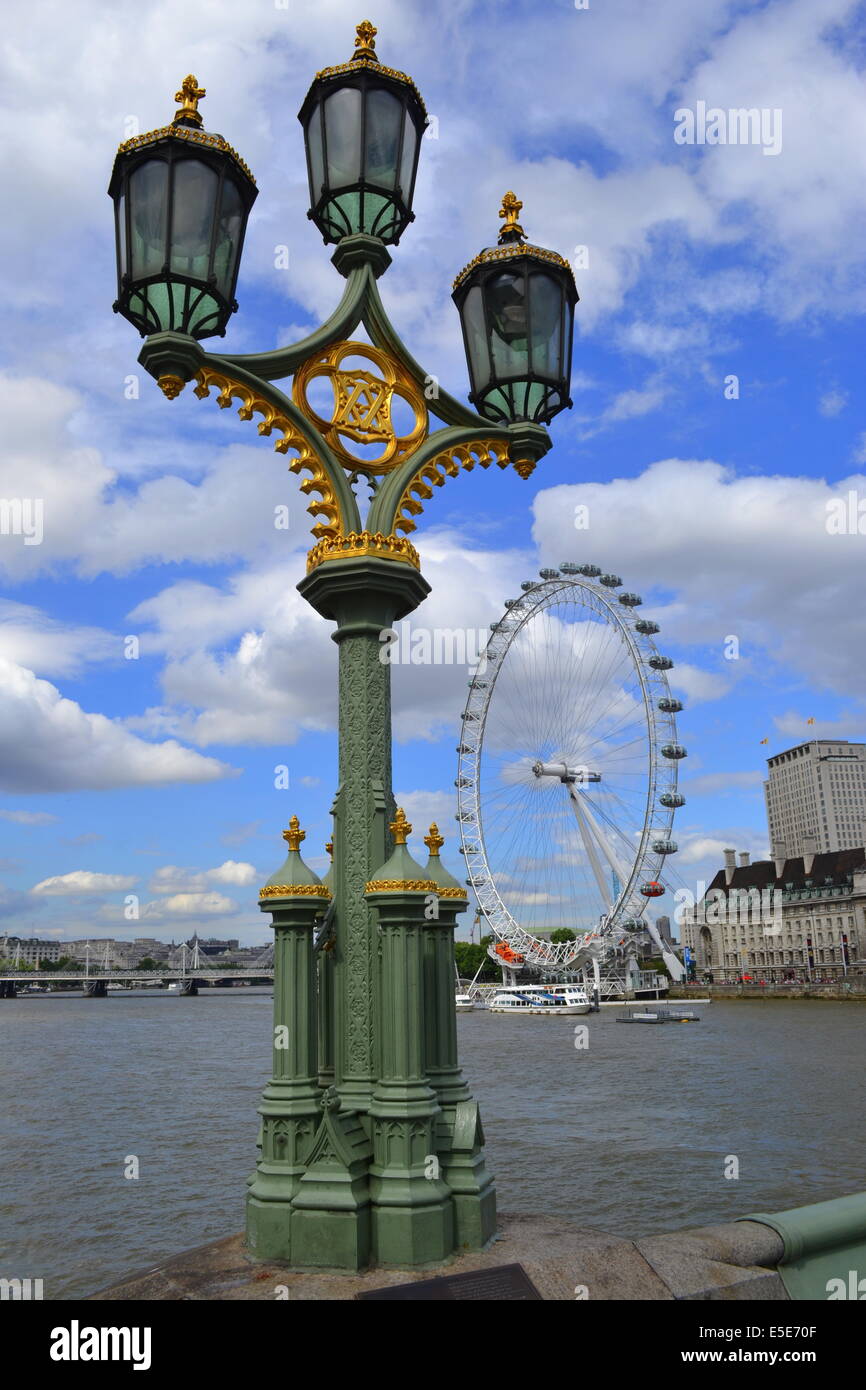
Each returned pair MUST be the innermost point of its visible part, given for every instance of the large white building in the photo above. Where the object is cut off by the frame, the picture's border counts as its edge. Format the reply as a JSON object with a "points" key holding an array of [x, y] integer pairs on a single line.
{"points": [[817, 789], [780, 919]]}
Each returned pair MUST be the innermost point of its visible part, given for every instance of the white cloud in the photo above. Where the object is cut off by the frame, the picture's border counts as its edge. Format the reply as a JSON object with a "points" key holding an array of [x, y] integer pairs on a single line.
{"points": [[49, 744], [747, 556], [173, 880], [191, 905], [832, 403], [232, 871], [28, 817], [711, 783], [83, 881]]}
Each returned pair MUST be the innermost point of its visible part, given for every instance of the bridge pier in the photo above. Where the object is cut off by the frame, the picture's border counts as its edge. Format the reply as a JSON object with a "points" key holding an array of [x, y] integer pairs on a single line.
{"points": [[8, 990], [188, 988], [95, 989]]}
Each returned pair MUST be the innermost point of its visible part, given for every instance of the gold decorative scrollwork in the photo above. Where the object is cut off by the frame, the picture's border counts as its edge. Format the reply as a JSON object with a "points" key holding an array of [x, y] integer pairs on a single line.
{"points": [[446, 464], [327, 505], [295, 890], [362, 405], [401, 885], [363, 543]]}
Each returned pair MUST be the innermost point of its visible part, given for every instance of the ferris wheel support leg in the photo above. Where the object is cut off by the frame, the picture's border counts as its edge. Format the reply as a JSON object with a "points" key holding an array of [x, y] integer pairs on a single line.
{"points": [[584, 826]]}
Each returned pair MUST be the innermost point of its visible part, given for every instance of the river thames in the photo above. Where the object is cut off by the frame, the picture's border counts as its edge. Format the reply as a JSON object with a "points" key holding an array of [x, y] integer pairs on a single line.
{"points": [[633, 1133]]}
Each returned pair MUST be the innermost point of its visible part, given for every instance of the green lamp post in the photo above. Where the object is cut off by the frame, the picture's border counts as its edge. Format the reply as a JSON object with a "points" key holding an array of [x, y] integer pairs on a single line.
{"points": [[371, 1144]]}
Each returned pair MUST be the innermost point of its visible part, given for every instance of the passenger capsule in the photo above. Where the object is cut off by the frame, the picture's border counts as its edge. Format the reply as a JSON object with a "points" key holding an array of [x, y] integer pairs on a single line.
{"points": [[660, 663], [670, 706], [611, 581], [631, 600], [513, 602], [527, 585], [673, 750], [569, 567], [632, 924], [665, 846], [653, 889], [589, 571], [646, 628], [549, 574], [672, 799]]}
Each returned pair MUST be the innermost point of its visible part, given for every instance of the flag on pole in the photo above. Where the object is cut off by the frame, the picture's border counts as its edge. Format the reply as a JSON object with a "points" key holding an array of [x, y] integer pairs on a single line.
{"points": [[810, 721], [765, 740]]}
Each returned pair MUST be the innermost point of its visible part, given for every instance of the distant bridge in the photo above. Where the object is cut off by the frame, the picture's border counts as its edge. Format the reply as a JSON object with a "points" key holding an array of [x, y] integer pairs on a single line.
{"points": [[95, 983]]}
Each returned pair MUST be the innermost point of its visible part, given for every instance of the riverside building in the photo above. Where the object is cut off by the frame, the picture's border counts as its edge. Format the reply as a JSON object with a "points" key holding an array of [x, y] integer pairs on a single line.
{"points": [[817, 789], [781, 919]]}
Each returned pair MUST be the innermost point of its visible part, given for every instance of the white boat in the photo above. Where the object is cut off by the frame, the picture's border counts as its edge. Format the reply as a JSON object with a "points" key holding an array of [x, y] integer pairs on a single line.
{"points": [[464, 1003], [540, 999]]}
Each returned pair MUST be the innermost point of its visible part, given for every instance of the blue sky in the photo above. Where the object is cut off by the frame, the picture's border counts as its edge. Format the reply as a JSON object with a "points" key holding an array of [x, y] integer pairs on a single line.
{"points": [[156, 776]]}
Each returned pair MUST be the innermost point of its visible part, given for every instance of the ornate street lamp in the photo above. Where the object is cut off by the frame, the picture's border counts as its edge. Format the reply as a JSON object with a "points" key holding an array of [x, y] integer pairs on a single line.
{"points": [[181, 200], [367, 1087], [363, 125], [516, 305]]}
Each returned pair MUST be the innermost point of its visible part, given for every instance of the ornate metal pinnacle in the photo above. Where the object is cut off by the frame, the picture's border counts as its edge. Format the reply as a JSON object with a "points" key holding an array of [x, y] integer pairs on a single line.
{"points": [[294, 835], [511, 230], [189, 95], [365, 43], [400, 827], [434, 841], [329, 848]]}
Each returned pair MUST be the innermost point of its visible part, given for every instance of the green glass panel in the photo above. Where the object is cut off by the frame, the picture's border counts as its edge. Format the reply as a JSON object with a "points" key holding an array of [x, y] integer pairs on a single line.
{"points": [[375, 205], [546, 301], [121, 234], [506, 309], [476, 338], [314, 145], [229, 230], [148, 202], [345, 213], [195, 190], [159, 299], [407, 159], [384, 119], [205, 315], [343, 137]]}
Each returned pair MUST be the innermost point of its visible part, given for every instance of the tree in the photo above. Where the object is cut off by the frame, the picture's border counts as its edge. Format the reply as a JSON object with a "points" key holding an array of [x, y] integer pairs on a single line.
{"points": [[147, 963], [562, 934]]}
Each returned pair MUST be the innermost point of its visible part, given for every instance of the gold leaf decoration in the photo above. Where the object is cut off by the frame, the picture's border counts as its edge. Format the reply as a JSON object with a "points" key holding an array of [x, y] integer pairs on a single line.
{"points": [[446, 464], [327, 505]]}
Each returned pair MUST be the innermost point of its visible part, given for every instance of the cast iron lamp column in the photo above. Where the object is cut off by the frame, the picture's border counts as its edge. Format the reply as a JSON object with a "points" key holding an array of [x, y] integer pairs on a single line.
{"points": [[347, 1185]]}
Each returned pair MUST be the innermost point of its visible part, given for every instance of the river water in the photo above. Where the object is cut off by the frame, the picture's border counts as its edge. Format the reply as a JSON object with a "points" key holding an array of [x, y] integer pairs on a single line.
{"points": [[632, 1134]]}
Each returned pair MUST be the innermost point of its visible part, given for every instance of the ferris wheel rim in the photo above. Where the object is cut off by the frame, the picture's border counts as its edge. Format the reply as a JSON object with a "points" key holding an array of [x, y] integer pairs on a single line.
{"points": [[659, 723]]}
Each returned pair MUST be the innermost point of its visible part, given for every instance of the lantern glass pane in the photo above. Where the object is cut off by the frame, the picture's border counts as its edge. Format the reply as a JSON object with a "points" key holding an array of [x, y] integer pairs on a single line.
{"points": [[407, 161], [506, 308], [384, 122], [228, 236], [343, 136], [148, 201], [476, 338], [546, 299], [121, 234], [195, 190], [314, 145]]}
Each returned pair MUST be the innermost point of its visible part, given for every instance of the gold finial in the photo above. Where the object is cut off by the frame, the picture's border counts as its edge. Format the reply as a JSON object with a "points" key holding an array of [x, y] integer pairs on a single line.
{"points": [[189, 95], [434, 841], [511, 229], [400, 827], [365, 43], [294, 835], [329, 848]]}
